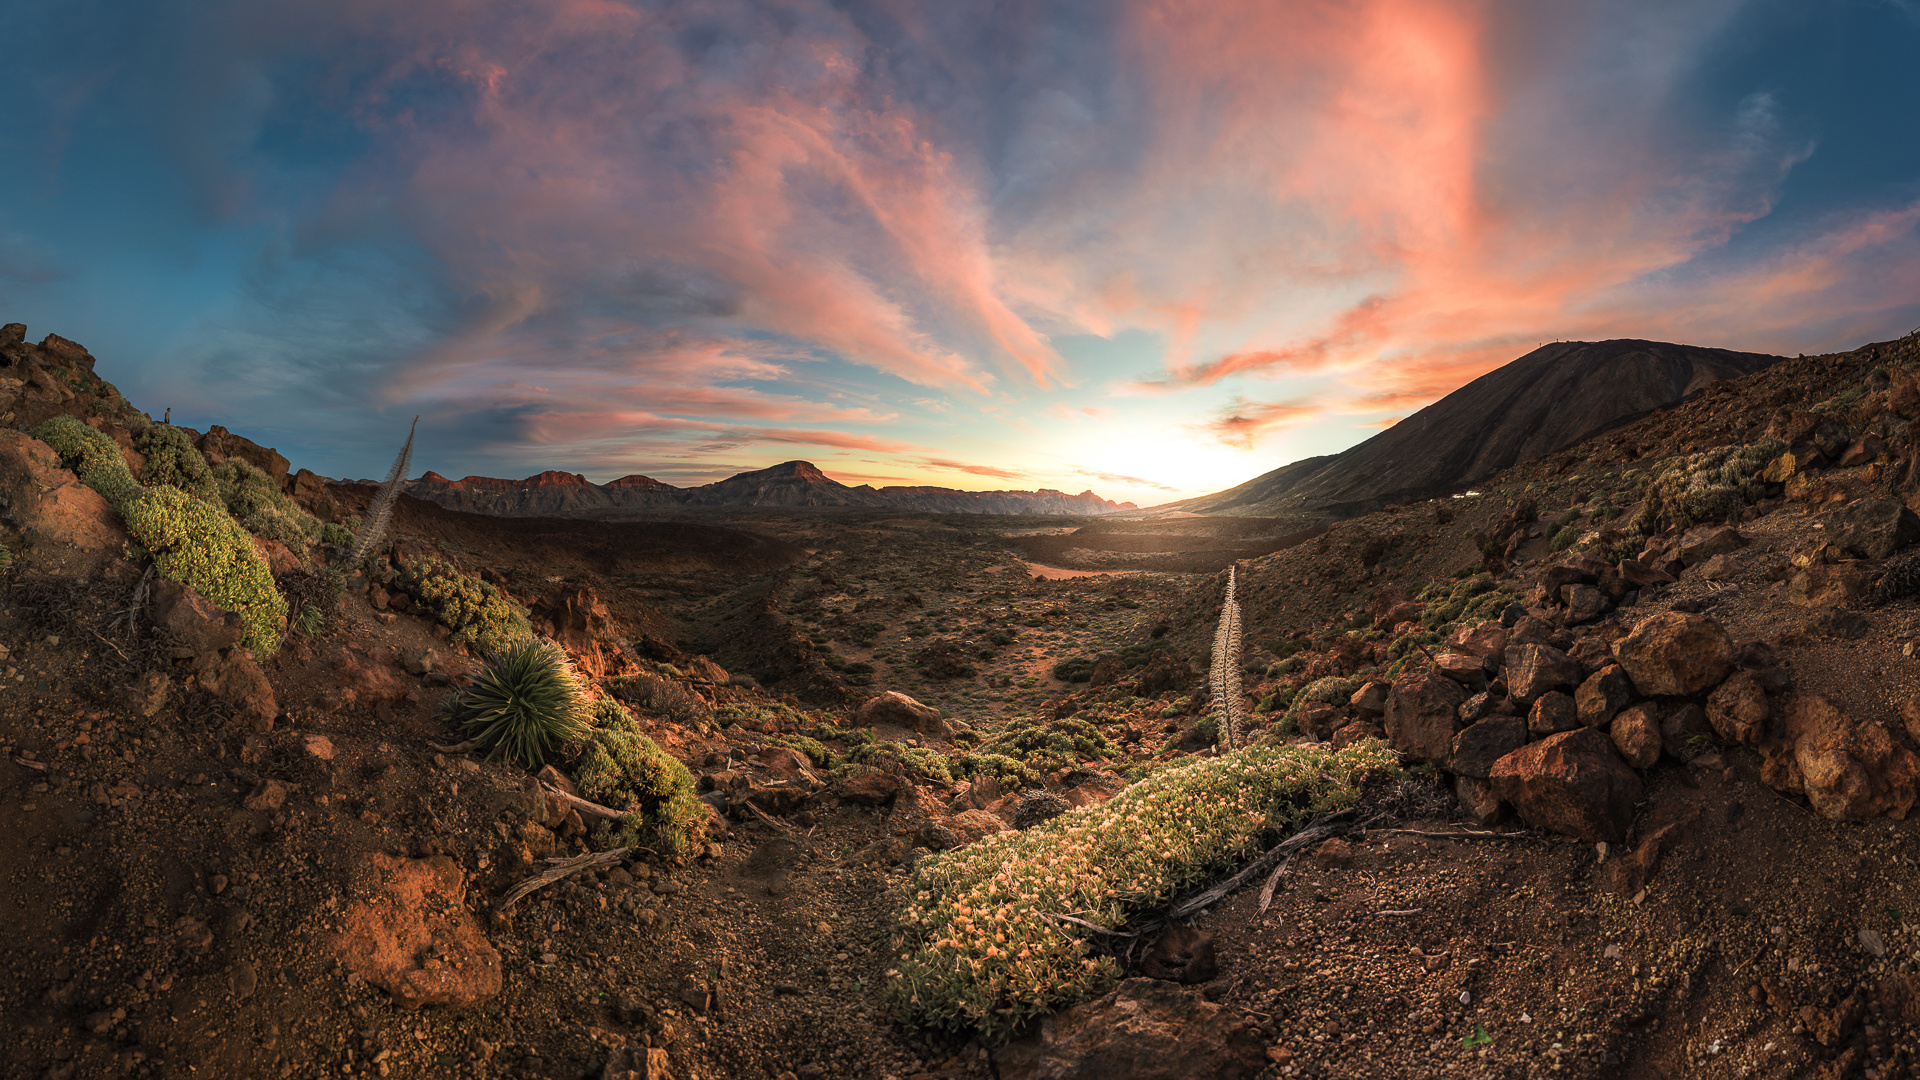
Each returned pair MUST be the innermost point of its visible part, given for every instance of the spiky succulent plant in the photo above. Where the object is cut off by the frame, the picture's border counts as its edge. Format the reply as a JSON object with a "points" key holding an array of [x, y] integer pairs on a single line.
{"points": [[1229, 712], [526, 700]]}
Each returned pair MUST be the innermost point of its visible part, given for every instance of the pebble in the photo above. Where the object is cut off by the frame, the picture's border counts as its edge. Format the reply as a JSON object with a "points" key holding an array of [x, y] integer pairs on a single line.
{"points": [[1871, 941]]}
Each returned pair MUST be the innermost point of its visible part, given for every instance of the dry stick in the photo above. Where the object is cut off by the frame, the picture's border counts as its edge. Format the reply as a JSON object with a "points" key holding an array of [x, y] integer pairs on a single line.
{"points": [[1454, 834], [582, 805], [564, 868], [768, 818], [107, 643], [1308, 835], [456, 748], [1266, 892]]}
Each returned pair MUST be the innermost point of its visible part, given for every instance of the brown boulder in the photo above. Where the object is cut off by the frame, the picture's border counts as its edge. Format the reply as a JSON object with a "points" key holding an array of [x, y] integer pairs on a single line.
{"points": [[1478, 801], [1422, 710], [1636, 734], [1738, 709], [1489, 638], [1640, 576], [895, 709], [1533, 670], [869, 788], [1870, 529], [1828, 586], [1602, 696], [1145, 1029], [1675, 653], [1462, 668], [192, 621], [971, 825], [51, 502], [1477, 747], [1371, 699], [1553, 713], [1849, 771], [409, 932], [1585, 603], [580, 621], [1572, 783], [1703, 542]]}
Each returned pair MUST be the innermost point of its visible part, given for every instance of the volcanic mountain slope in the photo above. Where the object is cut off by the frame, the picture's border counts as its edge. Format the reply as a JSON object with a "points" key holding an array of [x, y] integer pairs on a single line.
{"points": [[789, 484], [1547, 400]]}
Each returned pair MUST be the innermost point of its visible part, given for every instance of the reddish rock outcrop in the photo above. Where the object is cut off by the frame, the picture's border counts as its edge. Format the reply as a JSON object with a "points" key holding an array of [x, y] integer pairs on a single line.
{"points": [[895, 709], [1676, 653], [1144, 1030], [408, 932], [51, 502], [1849, 770], [1533, 670], [1572, 783], [578, 619]]}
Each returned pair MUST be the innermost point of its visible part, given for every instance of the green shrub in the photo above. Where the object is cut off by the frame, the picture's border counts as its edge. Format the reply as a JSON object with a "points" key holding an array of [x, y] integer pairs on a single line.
{"points": [[1074, 669], [1565, 538], [313, 598], [1012, 773], [1050, 744], [1707, 486], [337, 535], [622, 769], [173, 459], [475, 611], [526, 700], [983, 957], [913, 760], [260, 507], [1332, 690], [663, 697], [93, 457], [196, 544]]}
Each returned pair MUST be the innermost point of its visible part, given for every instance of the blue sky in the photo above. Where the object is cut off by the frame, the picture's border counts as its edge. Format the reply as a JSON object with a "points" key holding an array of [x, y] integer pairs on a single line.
{"points": [[1151, 249]]}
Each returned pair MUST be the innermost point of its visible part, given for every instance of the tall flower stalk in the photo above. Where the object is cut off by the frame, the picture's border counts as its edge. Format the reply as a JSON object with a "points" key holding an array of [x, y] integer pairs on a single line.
{"points": [[1229, 715], [382, 510]]}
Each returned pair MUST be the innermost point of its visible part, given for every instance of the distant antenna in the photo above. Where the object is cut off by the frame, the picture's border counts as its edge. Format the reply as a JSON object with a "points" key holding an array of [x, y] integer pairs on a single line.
{"points": [[382, 510]]}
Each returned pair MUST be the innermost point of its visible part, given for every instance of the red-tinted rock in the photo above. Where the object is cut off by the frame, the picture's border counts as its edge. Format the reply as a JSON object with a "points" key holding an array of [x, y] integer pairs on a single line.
{"points": [[1478, 801], [408, 932], [1478, 746], [192, 621], [1573, 783], [1553, 713], [1533, 670], [1488, 639], [51, 502], [1738, 710], [870, 788], [1703, 542], [1640, 576], [1848, 770], [971, 825], [895, 709], [1870, 528], [1371, 699], [1828, 586], [1603, 695], [1462, 668], [1675, 653], [235, 677], [1421, 715], [1585, 603], [1636, 734]]}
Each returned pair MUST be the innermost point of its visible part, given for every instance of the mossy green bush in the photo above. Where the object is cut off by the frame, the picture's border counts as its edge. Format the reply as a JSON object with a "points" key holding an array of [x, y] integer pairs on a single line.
{"points": [[1011, 773], [524, 703], [1050, 744], [172, 459], [1707, 486], [476, 612], [92, 457], [1332, 690], [916, 761], [664, 697], [982, 954], [260, 507], [195, 543], [622, 769]]}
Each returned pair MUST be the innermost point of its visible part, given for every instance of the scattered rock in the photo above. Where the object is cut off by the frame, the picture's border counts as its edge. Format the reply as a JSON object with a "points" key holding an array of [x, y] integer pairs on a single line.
{"points": [[1828, 586], [1038, 806], [268, 795], [1738, 710], [971, 825], [1371, 699], [1870, 528], [1675, 653], [1144, 1030], [192, 621], [1572, 783], [236, 678], [1703, 542], [1602, 695], [895, 709], [1636, 734], [871, 787], [1554, 712], [317, 746], [1478, 801]]}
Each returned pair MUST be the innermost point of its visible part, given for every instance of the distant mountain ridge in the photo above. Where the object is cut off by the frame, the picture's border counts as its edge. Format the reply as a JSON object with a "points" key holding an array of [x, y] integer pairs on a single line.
{"points": [[1547, 400], [791, 483]]}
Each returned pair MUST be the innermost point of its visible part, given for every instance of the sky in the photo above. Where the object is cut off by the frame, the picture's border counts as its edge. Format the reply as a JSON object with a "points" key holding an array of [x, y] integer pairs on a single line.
{"points": [[1151, 249]]}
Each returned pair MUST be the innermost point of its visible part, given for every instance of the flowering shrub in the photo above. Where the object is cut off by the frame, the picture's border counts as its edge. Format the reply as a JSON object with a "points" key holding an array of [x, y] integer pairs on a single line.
{"points": [[260, 507], [93, 457], [1332, 690], [982, 953], [196, 544]]}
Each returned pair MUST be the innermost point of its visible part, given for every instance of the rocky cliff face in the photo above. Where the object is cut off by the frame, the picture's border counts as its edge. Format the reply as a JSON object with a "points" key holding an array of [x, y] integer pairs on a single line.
{"points": [[792, 483], [1550, 399]]}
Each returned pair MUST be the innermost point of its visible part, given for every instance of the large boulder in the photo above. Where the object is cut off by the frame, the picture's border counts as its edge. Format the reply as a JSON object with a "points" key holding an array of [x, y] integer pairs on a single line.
{"points": [[408, 931], [236, 677], [1703, 542], [1572, 783], [1553, 713], [1849, 770], [1422, 711], [1828, 586], [1533, 670], [193, 622], [1487, 639], [1870, 528], [1146, 1029], [1676, 653], [44, 499], [1636, 734], [580, 621], [895, 709]]}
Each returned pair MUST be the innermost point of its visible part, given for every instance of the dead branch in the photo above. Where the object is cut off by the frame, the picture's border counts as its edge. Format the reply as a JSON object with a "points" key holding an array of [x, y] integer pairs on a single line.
{"points": [[1319, 830], [1451, 834], [564, 868], [1273, 880], [593, 809]]}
